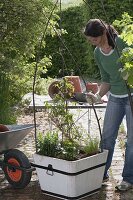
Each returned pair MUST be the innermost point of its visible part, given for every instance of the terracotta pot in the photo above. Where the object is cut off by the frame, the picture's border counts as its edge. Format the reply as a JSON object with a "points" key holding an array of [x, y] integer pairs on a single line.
{"points": [[53, 89], [75, 80], [92, 87], [3, 128]]}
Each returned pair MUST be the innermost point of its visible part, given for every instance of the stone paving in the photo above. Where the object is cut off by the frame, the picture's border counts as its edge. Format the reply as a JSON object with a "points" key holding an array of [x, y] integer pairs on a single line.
{"points": [[33, 191]]}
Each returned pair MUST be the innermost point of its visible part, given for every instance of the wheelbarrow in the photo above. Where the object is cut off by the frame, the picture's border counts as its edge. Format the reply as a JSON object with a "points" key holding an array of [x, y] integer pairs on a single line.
{"points": [[15, 164]]}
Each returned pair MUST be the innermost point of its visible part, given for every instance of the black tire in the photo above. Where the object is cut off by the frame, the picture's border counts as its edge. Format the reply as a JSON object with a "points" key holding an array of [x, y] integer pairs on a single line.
{"points": [[19, 179]]}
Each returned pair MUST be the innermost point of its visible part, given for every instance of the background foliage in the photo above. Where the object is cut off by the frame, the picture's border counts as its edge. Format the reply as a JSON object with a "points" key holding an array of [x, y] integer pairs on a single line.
{"points": [[22, 26], [108, 10], [74, 56], [73, 20], [126, 25]]}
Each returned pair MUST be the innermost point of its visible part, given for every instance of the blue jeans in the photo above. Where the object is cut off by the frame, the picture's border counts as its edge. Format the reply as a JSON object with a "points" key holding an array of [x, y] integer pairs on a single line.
{"points": [[116, 109]]}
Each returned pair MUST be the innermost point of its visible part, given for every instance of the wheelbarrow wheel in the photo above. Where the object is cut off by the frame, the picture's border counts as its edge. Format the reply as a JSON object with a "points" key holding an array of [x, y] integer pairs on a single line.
{"points": [[18, 178]]}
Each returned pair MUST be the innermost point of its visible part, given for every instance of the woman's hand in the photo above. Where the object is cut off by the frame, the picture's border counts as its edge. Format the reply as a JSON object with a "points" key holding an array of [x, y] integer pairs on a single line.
{"points": [[93, 98]]}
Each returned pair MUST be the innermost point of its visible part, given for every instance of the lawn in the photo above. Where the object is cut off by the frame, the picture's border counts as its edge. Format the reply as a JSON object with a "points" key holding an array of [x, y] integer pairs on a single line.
{"points": [[69, 3]]}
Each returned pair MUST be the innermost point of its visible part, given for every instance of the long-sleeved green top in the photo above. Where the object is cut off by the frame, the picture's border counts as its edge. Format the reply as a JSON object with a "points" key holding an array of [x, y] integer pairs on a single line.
{"points": [[109, 66]]}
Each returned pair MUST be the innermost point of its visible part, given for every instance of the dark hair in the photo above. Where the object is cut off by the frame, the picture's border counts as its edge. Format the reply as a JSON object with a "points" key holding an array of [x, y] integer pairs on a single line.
{"points": [[96, 27]]}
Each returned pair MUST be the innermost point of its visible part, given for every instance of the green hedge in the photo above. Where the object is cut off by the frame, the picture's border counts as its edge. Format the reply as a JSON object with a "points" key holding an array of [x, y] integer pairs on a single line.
{"points": [[113, 9], [73, 20]]}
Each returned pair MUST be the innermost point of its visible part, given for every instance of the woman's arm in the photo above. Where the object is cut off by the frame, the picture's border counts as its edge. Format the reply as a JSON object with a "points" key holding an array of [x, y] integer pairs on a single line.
{"points": [[104, 88]]}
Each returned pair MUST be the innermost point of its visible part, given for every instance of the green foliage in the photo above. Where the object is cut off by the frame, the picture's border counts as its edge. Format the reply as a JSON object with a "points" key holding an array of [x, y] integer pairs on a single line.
{"points": [[126, 26], [42, 85], [91, 146], [127, 61], [6, 114], [23, 25], [58, 112], [73, 20], [49, 144], [76, 56], [70, 150], [66, 141], [112, 9]]}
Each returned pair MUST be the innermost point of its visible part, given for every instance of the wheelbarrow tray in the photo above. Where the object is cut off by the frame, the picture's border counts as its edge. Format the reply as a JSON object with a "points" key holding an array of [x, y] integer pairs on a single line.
{"points": [[10, 139]]}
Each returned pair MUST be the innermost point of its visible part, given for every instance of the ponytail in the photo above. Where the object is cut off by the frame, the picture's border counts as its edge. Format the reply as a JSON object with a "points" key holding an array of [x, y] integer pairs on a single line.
{"points": [[111, 35]]}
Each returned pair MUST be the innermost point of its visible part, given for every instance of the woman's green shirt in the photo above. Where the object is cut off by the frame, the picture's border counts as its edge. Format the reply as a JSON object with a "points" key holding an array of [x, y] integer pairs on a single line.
{"points": [[109, 66]]}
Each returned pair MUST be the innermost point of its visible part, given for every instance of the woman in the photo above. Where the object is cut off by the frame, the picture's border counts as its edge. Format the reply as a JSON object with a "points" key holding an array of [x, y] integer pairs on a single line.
{"points": [[108, 49]]}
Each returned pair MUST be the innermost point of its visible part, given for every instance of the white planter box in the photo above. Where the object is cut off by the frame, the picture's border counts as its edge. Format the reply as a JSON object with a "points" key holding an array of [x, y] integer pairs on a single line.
{"points": [[70, 179]]}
